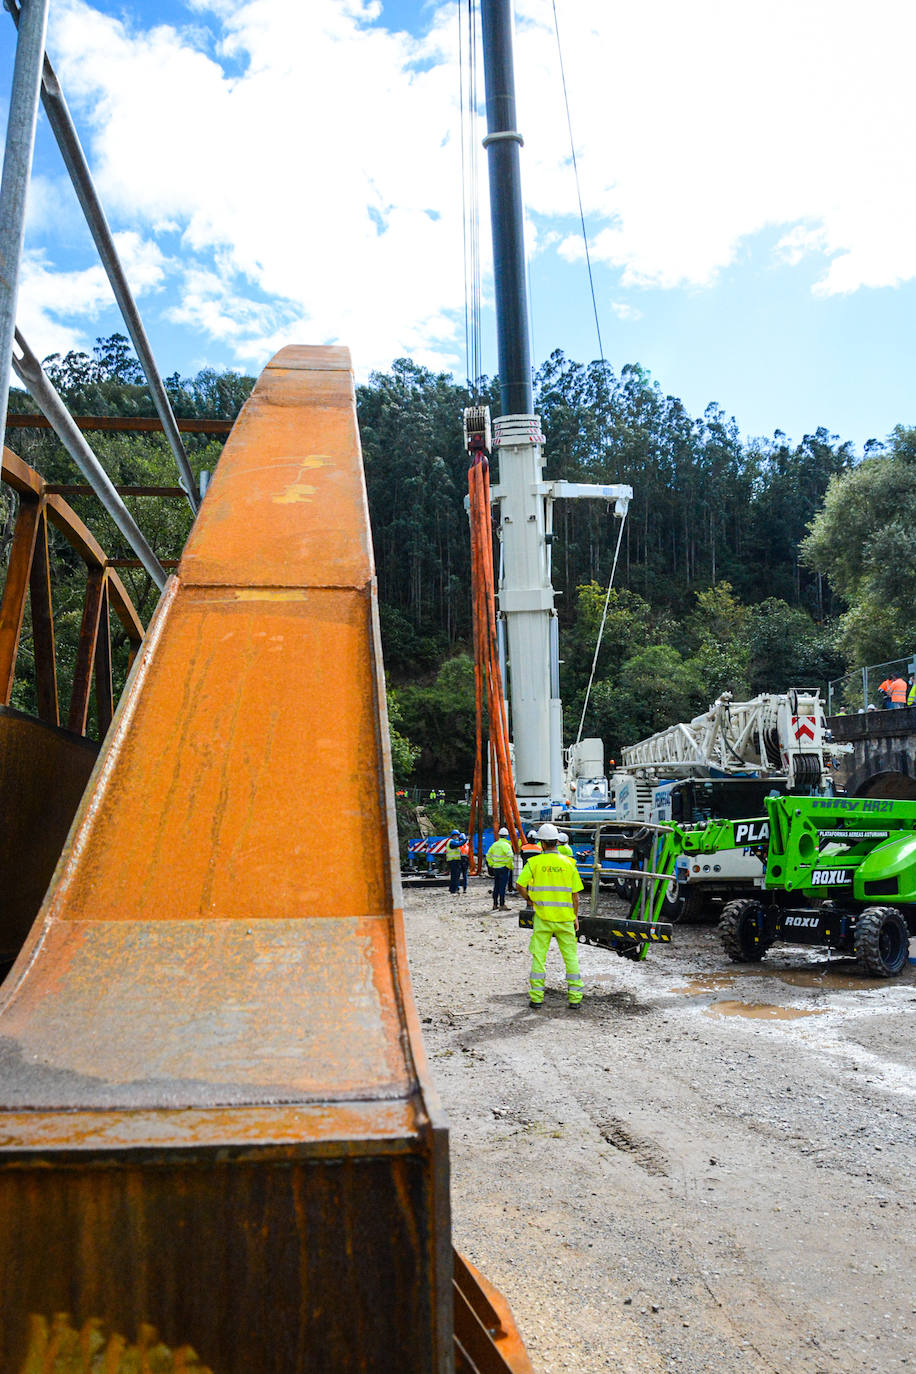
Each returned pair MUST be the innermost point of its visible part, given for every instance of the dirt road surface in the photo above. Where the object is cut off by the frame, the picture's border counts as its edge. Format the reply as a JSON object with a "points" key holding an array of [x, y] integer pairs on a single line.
{"points": [[710, 1168]]}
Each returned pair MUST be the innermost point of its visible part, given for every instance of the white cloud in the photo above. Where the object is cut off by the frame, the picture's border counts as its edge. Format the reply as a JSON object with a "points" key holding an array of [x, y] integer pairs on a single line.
{"points": [[623, 311], [50, 299], [325, 177], [309, 160], [700, 125]]}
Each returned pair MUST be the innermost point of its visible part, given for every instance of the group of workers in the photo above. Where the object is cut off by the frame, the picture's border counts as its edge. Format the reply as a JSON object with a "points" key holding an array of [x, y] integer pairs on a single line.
{"points": [[897, 692], [549, 882]]}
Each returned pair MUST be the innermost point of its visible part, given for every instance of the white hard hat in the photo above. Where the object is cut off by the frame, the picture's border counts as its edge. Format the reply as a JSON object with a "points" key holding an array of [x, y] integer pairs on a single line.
{"points": [[532, 834], [503, 830], [564, 839], [548, 831]]}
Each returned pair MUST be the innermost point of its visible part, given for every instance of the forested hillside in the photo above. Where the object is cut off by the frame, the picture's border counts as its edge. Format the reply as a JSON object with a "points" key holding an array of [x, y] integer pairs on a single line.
{"points": [[711, 591], [720, 583]]}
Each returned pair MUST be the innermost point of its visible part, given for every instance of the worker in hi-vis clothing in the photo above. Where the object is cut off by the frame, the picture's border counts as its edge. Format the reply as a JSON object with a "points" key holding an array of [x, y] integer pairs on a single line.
{"points": [[563, 847], [500, 857], [551, 885], [453, 859]]}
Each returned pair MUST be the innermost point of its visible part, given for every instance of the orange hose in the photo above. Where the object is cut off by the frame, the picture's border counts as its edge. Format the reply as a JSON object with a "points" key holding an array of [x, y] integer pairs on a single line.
{"points": [[487, 674]]}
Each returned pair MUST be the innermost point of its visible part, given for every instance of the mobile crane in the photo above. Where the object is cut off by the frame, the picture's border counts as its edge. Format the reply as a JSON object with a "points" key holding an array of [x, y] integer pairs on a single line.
{"points": [[839, 872]]}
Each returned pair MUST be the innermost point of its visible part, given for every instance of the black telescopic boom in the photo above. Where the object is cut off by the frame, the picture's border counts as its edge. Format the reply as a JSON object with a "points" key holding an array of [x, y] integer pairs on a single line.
{"points": [[502, 145]]}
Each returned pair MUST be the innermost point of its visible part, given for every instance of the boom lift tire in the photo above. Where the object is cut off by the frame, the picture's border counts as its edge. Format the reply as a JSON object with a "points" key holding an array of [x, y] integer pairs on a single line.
{"points": [[738, 931], [686, 907], [882, 941], [693, 904]]}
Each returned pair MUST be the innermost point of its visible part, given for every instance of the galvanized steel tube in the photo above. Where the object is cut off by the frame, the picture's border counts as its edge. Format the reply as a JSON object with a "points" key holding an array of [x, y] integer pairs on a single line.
{"points": [[75, 160], [29, 371], [17, 168]]}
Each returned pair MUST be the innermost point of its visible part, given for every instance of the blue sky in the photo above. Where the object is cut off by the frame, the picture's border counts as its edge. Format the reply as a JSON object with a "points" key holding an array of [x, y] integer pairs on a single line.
{"points": [[279, 171]]}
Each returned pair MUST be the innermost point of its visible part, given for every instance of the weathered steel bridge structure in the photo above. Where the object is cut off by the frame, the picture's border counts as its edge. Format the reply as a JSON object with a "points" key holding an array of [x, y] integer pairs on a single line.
{"points": [[220, 1148], [216, 1119]]}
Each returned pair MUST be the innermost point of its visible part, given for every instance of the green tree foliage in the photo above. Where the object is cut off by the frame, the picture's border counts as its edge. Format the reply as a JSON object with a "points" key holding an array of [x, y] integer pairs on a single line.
{"points": [[655, 688], [861, 540], [717, 627], [416, 477], [786, 648], [711, 592], [403, 754], [439, 720]]}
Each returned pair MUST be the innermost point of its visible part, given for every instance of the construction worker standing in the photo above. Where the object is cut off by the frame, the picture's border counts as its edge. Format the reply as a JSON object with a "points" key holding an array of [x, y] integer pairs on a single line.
{"points": [[898, 693], [500, 857], [551, 885], [453, 859], [465, 860], [564, 847], [528, 847]]}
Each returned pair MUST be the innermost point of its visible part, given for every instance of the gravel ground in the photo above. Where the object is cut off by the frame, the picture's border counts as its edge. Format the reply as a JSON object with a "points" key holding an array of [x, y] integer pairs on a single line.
{"points": [[710, 1168]]}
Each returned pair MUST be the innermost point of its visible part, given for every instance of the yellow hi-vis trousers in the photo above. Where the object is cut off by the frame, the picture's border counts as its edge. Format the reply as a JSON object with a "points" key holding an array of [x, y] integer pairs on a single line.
{"points": [[564, 932]]}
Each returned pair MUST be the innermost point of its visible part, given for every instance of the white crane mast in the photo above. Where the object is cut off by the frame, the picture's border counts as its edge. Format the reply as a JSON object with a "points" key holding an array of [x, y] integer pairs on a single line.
{"points": [[526, 605]]}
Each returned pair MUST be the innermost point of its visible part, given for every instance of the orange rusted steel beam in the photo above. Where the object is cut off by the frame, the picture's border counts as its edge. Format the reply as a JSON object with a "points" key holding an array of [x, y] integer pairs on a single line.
{"points": [[43, 627], [18, 573], [486, 1337], [43, 768], [216, 1117], [91, 629]]}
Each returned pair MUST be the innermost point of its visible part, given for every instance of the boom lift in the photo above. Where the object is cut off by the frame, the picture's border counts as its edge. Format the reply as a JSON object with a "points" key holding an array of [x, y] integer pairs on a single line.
{"points": [[840, 872], [722, 765]]}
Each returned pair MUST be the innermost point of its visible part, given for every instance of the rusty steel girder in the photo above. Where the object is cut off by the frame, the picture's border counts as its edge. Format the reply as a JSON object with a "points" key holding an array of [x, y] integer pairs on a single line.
{"points": [[218, 1135], [44, 767]]}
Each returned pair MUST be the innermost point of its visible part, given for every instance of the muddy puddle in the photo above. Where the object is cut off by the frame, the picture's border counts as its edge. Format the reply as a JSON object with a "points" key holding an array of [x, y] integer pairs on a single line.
{"points": [[760, 1011], [848, 978]]}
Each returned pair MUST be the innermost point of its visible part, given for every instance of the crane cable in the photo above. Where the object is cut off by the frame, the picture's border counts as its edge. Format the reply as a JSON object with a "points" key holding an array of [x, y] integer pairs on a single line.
{"points": [[575, 167], [607, 599], [470, 198], [591, 283]]}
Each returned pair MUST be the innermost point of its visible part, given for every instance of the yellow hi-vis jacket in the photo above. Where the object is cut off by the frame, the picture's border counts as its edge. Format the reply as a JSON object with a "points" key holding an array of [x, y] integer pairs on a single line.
{"points": [[565, 849], [551, 880], [500, 854]]}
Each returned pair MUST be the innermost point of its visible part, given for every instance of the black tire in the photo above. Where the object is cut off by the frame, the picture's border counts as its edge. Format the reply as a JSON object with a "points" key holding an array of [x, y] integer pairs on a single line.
{"points": [[693, 904], [739, 934], [673, 909], [882, 941]]}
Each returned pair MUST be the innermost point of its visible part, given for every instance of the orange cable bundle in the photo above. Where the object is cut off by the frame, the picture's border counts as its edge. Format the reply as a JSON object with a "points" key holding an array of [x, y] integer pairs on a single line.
{"points": [[487, 675]]}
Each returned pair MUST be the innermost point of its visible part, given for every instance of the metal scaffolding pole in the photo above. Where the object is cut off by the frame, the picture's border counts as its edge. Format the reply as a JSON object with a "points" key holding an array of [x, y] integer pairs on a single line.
{"points": [[29, 371], [17, 169], [71, 150]]}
